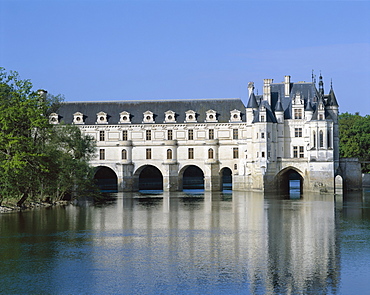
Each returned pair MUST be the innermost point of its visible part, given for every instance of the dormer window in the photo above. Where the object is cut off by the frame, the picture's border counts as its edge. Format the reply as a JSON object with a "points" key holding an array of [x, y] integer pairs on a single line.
{"points": [[262, 114], [190, 116], [124, 117], [298, 113], [148, 117], [101, 118], [235, 116], [54, 118], [78, 118], [298, 106], [211, 116], [170, 117]]}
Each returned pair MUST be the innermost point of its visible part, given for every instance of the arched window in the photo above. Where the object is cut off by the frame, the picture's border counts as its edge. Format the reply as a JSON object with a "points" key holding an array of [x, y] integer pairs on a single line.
{"points": [[314, 139], [210, 154], [124, 154], [169, 154], [329, 138], [321, 138]]}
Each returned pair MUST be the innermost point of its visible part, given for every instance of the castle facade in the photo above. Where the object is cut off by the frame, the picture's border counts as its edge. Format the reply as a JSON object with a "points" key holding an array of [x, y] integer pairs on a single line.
{"points": [[288, 132]]}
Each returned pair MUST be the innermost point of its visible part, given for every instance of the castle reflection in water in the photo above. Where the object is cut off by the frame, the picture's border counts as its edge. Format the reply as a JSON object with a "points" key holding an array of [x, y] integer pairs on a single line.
{"points": [[271, 246]]}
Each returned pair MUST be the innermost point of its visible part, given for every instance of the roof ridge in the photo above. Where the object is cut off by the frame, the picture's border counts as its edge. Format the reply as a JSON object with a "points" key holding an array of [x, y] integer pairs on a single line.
{"points": [[153, 100]]}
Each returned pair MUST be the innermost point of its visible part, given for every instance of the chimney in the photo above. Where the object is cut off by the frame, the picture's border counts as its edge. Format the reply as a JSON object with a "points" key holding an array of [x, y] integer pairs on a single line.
{"points": [[287, 85], [267, 90]]}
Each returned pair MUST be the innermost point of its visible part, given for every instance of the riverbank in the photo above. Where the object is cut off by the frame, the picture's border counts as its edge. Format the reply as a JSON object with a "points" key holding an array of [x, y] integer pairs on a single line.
{"points": [[12, 207]]}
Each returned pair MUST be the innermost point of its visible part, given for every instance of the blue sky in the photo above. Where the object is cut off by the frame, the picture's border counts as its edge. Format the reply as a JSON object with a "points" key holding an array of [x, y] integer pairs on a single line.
{"points": [[118, 50]]}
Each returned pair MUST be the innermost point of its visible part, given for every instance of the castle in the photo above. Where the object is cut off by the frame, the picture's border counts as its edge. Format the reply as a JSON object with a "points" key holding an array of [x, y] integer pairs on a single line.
{"points": [[288, 132]]}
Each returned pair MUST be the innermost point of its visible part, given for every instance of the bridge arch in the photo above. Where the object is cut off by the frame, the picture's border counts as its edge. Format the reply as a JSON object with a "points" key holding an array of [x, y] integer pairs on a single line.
{"points": [[226, 176], [290, 181], [106, 179], [148, 177], [191, 177]]}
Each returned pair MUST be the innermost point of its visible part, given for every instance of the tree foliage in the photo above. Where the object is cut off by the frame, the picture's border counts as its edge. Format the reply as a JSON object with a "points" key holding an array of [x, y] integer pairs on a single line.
{"points": [[37, 158], [354, 132]]}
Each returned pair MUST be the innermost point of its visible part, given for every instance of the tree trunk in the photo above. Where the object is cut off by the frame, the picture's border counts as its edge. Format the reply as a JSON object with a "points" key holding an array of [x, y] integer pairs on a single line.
{"points": [[22, 200]]}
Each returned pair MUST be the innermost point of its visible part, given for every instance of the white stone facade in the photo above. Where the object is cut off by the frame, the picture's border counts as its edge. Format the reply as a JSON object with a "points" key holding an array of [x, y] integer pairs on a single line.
{"points": [[261, 144]]}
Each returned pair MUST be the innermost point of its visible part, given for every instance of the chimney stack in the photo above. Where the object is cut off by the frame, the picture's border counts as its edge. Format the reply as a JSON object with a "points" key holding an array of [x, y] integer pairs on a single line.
{"points": [[287, 85], [267, 90]]}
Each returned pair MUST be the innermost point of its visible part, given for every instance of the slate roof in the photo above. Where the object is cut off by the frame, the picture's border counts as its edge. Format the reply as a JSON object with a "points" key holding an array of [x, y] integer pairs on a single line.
{"points": [[158, 107]]}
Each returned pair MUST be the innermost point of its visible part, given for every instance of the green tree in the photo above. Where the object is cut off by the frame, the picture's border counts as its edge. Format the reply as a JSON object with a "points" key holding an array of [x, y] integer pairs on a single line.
{"points": [[354, 132], [37, 158]]}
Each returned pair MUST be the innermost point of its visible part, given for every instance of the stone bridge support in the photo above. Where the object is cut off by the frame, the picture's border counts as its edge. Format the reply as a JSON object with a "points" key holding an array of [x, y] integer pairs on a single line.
{"points": [[350, 170]]}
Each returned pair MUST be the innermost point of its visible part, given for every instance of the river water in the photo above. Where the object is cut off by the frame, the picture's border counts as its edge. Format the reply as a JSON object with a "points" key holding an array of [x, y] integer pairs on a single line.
{"points": [[185, 243]]}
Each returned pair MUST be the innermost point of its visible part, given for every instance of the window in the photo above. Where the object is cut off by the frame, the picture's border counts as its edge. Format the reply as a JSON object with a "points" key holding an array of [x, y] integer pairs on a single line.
{"points": [[262, 118], [314, 139], [262, 135], [297, 113], [263, 154], [321, 138], [321, 117], [329, 138], [148, 135], [124, 135], [148, 154], [169, 154], [101, 135], [235, 134], [235, 153], [169, 134], [124, 154], [235, 166], [191, 153], [190, 134], [211, 134], [295, 151], [298, 132], [102, 154], [301, 152], [210, 154]]}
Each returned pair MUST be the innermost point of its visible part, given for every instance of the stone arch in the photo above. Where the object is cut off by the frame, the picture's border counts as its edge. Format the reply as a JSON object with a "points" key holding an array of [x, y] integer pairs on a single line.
{"points": [[106, 179], [191, 177], [148, 177], [338, 184], [290, 180], [226, 178]]}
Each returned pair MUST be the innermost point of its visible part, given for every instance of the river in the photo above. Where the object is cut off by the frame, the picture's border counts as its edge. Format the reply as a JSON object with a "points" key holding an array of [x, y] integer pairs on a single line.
{"points": [[190, 243]]}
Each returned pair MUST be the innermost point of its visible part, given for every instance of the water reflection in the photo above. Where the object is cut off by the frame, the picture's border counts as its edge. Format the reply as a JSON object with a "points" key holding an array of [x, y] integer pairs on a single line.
{"points": [[182, 243]]}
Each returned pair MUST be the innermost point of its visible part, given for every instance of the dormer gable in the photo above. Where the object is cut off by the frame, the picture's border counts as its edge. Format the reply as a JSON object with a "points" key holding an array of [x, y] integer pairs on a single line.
{"points": [[190, 116], [101, 118], [235, 116], [297, 106], [78, 118], [148, 117], [124, 117], [170, 117], [211, 116], [54, 118]]}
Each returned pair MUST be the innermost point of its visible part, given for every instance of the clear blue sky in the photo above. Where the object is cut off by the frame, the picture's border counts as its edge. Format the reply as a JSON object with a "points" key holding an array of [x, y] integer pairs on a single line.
{"points": [[118, 50]]}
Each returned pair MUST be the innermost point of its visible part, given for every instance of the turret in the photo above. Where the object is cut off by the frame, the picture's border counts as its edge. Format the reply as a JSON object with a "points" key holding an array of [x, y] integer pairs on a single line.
{"points": [[252, 105], [308, 111], [279, 111], [332, 104]]}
